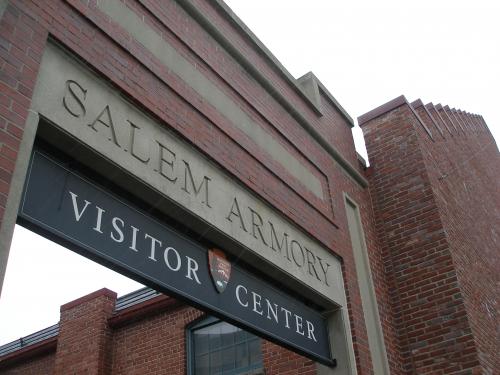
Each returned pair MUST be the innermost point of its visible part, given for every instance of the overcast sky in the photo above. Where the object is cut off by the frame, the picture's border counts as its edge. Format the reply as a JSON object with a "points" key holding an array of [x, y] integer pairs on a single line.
{"points": [[365, 52]]}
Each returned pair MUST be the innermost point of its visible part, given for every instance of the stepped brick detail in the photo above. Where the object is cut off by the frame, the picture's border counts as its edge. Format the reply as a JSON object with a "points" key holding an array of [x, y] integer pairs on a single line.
{"points": [[436, 209]]}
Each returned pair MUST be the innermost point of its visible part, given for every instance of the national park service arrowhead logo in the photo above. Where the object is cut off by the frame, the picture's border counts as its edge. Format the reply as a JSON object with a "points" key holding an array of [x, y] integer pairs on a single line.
{"points": [[220, 269]]}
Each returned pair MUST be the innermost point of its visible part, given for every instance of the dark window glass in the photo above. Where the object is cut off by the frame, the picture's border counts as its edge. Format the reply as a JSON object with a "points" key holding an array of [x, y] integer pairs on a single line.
{"points": [[218, 348]]}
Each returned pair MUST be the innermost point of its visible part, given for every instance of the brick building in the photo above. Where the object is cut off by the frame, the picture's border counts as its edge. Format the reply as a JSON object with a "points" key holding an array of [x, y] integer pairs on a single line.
{"points": [[178, 109]]}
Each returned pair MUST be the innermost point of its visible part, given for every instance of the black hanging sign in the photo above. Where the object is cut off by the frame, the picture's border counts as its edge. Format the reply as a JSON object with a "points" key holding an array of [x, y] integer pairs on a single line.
{"points": [[93, 222]]}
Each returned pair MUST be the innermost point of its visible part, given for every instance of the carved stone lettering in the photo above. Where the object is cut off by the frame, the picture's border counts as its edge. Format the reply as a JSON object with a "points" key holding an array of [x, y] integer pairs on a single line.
{"points": [[166, 162], [250, 220], [190, 186], [235, 211], [133, 147], [281, 246], [84, 106], [74, 98], [257, 225], [104, 119], [311, 263], [297, 253]]}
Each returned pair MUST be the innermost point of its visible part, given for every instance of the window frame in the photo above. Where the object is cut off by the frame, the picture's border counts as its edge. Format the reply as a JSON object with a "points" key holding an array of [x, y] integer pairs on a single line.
{"points": [[206, 321]]}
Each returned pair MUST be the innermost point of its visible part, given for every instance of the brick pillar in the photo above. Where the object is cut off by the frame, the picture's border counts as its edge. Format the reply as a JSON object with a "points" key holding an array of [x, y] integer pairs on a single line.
{"points": [[84, 335], [434, 333], [22, 40]]}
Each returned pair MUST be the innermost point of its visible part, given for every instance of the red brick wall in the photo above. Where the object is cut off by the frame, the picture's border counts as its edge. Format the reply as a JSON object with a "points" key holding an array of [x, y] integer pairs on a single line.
{"points": [[278, 361], [429, 229], [39, 365], [337, 130], [331, 124], [155, 345]]}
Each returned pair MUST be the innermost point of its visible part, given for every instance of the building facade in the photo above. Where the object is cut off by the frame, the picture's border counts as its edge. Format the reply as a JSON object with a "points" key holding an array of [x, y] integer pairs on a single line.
{"points": [[177, 109]]}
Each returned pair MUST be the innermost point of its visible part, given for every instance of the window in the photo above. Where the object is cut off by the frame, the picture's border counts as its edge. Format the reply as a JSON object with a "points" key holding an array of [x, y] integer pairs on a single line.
{"points": [[218, 348]]}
